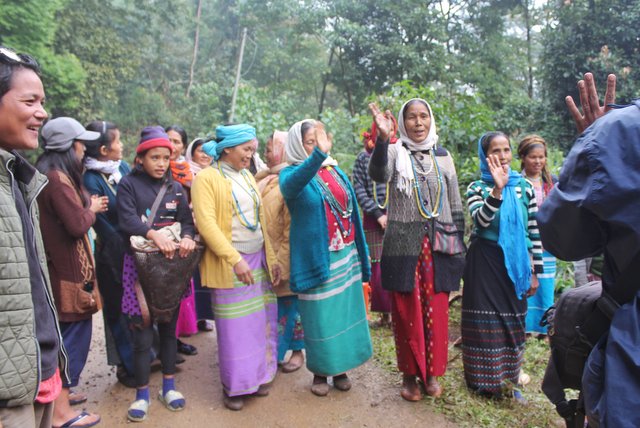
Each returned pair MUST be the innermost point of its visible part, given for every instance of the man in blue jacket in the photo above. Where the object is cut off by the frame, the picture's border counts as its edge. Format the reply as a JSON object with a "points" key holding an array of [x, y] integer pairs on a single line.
{"points": [[595, 208]]}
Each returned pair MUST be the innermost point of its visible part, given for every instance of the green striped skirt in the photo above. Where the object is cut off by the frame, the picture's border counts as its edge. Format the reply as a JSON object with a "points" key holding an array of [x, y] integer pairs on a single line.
{"points": [[334, 318]]}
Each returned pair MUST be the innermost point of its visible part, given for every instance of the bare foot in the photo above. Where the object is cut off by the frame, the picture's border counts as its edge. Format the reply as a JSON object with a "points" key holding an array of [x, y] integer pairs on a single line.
{"points": [[410, 389]]}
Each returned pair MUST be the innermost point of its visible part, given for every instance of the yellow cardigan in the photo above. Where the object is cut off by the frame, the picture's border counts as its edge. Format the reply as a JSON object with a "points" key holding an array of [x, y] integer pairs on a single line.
{"points": [[213, 209]]}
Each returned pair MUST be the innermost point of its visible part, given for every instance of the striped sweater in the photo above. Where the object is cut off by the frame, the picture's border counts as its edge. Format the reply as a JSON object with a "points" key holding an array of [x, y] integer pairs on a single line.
{"points": [[485, 213]]}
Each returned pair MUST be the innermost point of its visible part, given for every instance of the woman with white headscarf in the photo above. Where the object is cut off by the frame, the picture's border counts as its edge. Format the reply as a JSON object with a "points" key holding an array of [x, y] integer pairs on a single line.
{"points": [[290, 331], [424, 205], [329, 257]]}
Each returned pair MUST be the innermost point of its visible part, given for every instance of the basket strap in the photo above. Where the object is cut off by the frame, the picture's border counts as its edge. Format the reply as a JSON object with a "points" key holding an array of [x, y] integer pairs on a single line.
{"points": [[144, 308], [156, 203]]}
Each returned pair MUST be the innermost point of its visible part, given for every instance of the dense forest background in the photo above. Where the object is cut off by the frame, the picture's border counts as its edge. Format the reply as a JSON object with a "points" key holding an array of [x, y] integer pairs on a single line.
{"points": [[503, 64]]}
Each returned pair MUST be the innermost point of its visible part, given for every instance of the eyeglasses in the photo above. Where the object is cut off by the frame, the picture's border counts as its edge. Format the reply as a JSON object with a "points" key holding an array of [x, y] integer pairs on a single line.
{"points": [[9, 56]]}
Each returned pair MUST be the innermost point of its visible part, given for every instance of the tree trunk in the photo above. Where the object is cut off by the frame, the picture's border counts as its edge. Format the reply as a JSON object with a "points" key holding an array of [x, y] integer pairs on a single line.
{"points": [[325, 82], [196, 40], [527, 18]]}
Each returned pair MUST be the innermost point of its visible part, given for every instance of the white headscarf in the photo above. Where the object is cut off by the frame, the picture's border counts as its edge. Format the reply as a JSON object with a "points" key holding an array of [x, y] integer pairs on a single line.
{"points": [[403, 162], [195, 168], [295, 149]]}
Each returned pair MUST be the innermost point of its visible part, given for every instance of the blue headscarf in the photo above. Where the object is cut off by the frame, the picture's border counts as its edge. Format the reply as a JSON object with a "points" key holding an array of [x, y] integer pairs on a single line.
{"points": [[512, 237], [228, 136]]}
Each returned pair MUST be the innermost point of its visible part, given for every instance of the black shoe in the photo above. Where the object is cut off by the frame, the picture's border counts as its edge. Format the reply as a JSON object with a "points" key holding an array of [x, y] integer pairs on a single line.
{"points": [[125, 378], [205, 325], [186, 349]]}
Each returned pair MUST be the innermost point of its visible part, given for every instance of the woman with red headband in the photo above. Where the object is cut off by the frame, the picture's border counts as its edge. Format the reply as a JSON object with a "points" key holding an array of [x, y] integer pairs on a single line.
{"points": [[372, 198]]}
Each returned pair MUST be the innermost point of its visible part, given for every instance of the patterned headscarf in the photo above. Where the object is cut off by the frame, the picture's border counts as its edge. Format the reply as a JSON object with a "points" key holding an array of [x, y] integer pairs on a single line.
{"points": [[279, 139]]}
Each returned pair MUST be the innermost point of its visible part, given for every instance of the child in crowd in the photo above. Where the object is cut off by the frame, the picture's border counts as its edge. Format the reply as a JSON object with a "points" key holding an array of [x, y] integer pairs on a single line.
{"points": [[137, 193]]}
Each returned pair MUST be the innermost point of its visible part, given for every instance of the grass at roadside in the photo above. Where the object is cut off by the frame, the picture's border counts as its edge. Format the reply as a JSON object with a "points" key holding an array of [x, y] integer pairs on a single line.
{"points": [[458, 404]]}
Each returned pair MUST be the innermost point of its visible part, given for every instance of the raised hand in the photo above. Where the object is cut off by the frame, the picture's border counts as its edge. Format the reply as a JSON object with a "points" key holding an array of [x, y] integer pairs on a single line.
{"points": [[384, 123], [591, 108], [500, 173], [322, 139]]}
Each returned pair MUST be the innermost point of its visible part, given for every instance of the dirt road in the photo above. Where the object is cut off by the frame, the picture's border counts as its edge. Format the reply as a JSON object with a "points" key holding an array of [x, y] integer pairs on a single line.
{"points": [[373, 401]]}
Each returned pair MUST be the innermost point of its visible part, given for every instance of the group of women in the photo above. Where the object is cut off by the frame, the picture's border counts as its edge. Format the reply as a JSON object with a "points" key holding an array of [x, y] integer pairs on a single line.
{"points": [[286, 254]]}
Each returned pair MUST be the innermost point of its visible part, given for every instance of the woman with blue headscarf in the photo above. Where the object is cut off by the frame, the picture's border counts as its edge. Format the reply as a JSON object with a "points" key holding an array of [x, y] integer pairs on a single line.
{"points": [[239, 265], [503, 260]]}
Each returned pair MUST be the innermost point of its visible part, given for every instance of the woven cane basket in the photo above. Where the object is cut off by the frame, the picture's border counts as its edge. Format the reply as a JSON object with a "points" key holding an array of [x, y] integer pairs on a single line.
{"points": [[164, 281]]}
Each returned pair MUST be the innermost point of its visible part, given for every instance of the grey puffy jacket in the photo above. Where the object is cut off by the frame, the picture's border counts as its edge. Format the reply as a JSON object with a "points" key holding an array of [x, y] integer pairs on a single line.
{"points": [[19, 351]]}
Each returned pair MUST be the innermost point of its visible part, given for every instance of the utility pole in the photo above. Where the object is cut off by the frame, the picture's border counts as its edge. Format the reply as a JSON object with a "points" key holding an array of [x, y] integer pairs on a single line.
{"points": [[238, 72]]}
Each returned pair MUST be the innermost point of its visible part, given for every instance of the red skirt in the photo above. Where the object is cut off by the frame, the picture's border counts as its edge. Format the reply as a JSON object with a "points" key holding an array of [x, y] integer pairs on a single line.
{"points": [[420, 323]]}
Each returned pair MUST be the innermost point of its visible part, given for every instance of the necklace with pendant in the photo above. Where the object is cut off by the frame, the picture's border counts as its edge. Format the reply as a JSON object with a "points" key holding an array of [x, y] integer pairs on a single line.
{"points": [[338, 210]]}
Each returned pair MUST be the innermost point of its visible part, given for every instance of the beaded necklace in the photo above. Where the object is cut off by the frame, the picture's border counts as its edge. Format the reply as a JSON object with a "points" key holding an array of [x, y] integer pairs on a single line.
{"points": [[337, 209], [386, 196], [254, 197], [424, 211]]}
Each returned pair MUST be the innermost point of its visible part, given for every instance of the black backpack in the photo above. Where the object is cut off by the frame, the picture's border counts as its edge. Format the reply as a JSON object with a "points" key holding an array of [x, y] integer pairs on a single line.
{"points": [[576, 322], [580, 317]]}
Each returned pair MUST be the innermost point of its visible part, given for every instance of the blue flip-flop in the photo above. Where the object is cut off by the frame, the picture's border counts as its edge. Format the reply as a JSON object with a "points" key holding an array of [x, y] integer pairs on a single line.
{"points": [[84, 414]]}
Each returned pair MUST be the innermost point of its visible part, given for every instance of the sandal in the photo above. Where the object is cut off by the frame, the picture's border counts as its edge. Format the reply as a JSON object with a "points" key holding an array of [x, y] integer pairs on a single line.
{"points": [[320, 387], [342, 382], [84, 414], [523, 378], [235, 403], [76, 398], [138, 411], [290, 367], [172, 400], [263, 390]]}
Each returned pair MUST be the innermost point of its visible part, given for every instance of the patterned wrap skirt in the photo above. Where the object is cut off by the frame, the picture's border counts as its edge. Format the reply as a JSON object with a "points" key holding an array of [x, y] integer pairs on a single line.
{"points": [[247, 331], [493, 321], [290, 331], [336, 331]]}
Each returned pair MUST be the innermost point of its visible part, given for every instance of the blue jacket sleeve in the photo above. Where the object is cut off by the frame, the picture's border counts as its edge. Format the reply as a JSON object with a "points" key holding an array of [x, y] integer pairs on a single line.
{"points": [[294, 178]]}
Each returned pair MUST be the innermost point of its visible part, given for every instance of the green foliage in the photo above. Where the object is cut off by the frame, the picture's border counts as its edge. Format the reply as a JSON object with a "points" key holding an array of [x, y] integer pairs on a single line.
{"points": [[589, 35], [30, 26]]}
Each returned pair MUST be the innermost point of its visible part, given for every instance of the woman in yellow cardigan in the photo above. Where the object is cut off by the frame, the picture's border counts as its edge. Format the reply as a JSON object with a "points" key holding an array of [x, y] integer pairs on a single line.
{"points": [[237, 264]]}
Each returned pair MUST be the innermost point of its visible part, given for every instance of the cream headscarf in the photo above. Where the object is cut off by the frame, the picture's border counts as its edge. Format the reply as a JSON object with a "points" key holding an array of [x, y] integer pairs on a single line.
{"points": [[295, 149], [403, 162], [195, 168], [279, 139]]}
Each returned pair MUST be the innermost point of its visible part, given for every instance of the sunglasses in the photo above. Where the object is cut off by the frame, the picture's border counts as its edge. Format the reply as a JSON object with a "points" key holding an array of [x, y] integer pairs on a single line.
{"points": [[9, 56]]}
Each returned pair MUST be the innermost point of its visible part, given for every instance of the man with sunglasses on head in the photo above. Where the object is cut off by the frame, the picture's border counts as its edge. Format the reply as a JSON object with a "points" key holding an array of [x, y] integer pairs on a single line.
{"points": [[31, 349]]}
